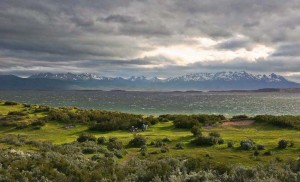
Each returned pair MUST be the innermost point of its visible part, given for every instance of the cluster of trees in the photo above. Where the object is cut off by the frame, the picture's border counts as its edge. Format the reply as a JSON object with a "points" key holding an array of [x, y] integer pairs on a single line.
{"points": [[68, 162], [100, 120], [188, 121], [10, 103], [286, 121], [212, 139]]}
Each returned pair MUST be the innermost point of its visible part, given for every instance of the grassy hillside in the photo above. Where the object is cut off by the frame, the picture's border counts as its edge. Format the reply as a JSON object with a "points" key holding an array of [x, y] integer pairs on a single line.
{"points": [[262, 133]]}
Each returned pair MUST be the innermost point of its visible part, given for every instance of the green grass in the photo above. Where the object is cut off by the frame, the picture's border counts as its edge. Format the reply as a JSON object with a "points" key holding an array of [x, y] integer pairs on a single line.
{"points": [[261, 134]]}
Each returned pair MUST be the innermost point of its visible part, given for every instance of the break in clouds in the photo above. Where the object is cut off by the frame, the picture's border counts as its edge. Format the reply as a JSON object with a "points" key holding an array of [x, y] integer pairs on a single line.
{"points": [[150, 37]]}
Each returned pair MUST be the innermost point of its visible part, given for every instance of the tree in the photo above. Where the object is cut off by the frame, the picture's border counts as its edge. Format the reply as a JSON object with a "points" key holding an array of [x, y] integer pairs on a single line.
{"points": [[196, 130]]}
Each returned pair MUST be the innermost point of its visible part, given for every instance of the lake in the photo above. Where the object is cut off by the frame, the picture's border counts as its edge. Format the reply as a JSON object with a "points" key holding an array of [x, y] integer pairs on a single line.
{"points": [[155, 103]]}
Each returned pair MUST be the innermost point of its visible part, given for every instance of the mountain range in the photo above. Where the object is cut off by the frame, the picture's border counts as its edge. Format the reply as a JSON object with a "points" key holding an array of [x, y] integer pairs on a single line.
{"points": [[199, 81]]}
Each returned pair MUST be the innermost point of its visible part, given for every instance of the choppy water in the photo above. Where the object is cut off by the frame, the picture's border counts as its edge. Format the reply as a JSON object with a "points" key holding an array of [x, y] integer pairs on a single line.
{"points": [[156, 103]]}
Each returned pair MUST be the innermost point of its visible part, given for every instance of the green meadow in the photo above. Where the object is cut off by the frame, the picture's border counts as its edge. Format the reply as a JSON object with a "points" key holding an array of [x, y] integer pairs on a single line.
{"points": [[261, 133]]}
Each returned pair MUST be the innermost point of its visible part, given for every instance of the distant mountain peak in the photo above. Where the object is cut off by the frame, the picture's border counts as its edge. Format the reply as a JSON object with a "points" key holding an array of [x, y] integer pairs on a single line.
{"points": [[195, 77], [229, 76]]}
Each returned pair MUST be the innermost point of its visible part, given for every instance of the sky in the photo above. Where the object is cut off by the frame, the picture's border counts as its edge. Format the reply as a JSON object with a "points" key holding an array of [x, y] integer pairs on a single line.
{"points": [[160, 38]]}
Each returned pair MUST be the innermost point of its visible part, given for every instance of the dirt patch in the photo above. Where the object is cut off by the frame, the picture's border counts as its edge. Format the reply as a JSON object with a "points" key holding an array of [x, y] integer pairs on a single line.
{"points": [[239, 123]]}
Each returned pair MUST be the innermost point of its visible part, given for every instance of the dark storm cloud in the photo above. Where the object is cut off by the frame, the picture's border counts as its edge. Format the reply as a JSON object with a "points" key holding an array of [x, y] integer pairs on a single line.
{"points": [[234, 44], [288, 50], [110, 36]]}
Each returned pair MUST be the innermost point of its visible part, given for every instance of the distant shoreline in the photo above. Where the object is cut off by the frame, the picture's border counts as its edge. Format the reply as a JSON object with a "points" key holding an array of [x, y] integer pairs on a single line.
{"points": [[277, 90]]}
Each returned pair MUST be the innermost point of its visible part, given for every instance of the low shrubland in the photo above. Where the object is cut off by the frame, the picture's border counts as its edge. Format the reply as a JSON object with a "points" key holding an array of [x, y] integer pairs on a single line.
{"points": [[165, 152], [188, 121], [285, 121], [68, 162]]}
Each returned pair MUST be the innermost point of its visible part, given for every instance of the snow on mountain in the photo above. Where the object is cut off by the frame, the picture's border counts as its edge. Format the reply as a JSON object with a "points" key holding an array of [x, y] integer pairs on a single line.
{"points": [[228, 76], [68, 76], [219, 76]]}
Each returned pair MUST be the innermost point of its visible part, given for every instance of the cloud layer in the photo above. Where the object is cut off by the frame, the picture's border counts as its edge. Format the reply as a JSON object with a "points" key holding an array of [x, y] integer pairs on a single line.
{"points": [[149, 37]]}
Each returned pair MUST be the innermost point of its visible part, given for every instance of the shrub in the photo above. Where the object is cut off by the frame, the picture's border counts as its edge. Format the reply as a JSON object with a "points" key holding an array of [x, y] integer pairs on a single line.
{"points": [[10, 103], [286, 121], [221, 141], [159, 143], [282, 144], [164, 149], [38, 123], [89, 150], [247, 144], [143, 150], [196, 130], [109, 154], [118, 145], [267, 153], [166, 140], [256, 153], [239, 117], [22, 125], [230, 144], [260, 147], [188, 121], [205, 141], [214, 134], [86, 137], [118, 154], [179, 146], [17, 113], [112, 139], [96, 157], [138, 141], [38, 127], [292, 144], [101, 140]]}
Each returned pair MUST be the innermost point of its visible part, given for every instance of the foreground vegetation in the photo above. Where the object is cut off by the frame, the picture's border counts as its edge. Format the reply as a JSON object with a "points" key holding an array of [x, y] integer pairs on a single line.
{"points": [[39, 143]]}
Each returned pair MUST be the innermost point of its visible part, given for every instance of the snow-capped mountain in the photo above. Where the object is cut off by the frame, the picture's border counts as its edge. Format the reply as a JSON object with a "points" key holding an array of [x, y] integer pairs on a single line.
{"points": [[200, 77], [228, 76], [68, 76], [198, 81]]}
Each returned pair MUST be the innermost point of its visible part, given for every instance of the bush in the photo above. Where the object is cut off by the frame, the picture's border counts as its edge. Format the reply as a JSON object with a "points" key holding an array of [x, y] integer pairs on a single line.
{"points": [[282, 144], [159, 143], [144, 150], [230, 144], [118, 154], [256, 153], [37, 127], [101, 140], [38, 123], [166, 140], [138, 141], [22, 125], [239, 117], [196, 130], [96, 157], [268, 153], [286, 121], [164, 149], [179, 146], [118, 145], [86, 137], [214, 134], [89, 150], [17, 113], [247, 144], [221, 141], [10, 103], [205, 141], [188, 121], [260, 147], [292, 144], [112, 139]]}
